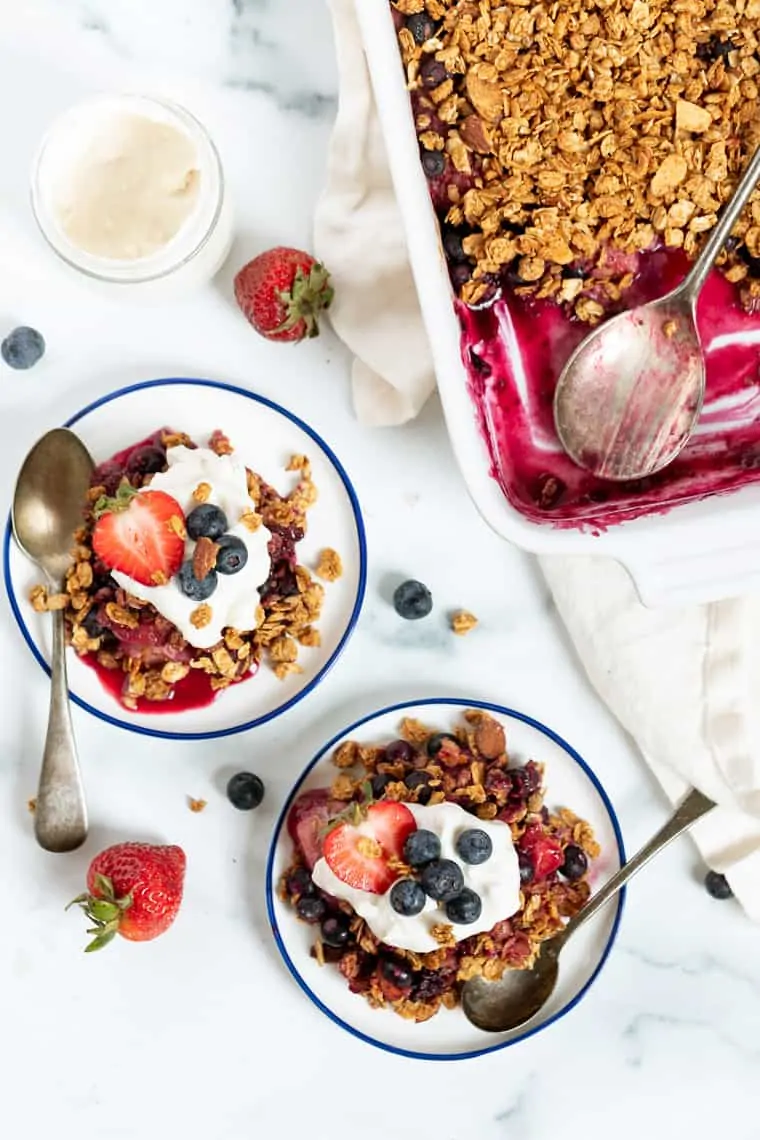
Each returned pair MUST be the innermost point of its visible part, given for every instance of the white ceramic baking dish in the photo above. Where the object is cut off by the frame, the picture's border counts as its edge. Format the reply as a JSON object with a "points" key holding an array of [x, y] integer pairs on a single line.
{"points": [[696, 552]]}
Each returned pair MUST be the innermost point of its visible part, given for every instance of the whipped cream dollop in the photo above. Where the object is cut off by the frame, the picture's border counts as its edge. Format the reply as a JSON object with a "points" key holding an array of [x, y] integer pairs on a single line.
{"points": [[236, 597], [497, 881]]}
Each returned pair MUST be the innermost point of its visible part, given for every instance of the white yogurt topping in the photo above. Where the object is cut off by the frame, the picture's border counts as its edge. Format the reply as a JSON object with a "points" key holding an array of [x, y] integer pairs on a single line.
{"points": [[234, 601], [497, 881]]}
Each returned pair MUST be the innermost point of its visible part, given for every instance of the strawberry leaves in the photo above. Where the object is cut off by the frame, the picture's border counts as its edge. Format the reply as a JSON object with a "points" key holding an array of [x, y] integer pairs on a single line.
{"points": [[104, 910]]}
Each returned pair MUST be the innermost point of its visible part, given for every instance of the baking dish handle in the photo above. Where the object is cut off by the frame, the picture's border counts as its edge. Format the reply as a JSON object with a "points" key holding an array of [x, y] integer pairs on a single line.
{"points": [[682, 576]]}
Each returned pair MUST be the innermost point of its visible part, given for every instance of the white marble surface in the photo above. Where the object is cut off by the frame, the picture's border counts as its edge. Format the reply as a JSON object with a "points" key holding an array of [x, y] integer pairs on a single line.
{"points": [[202, 1033]]}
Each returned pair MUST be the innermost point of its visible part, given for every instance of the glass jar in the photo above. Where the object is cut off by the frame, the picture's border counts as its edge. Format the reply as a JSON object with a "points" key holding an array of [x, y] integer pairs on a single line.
{"points": [[188, 259]]}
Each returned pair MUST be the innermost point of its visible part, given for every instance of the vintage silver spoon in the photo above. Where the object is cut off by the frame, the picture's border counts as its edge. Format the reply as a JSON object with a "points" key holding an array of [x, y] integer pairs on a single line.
{"points": [[47, 508], [630, 395], [520, 994]]}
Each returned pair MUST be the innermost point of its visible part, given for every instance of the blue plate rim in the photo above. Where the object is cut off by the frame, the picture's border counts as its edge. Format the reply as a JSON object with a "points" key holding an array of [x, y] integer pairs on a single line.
{"points": [[488, 706], [216, 734]]}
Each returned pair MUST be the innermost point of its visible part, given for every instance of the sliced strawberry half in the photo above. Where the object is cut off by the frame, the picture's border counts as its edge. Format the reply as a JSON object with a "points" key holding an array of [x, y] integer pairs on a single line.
{"points": [[141, 534], [307, 822], [544, 851], [360, 854]]}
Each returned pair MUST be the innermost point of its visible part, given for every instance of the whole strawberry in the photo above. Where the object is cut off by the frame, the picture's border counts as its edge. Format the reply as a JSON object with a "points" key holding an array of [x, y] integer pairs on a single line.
{"points": [[281, 292], [133, 889]]}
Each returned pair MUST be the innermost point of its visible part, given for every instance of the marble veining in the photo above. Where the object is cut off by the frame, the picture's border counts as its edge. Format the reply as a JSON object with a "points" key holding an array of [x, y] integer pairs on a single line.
{"points": [[203, 1034]]}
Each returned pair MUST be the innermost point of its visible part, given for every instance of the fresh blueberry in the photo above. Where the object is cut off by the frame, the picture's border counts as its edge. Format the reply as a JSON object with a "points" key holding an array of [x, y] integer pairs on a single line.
{"points": [[464, 908], [396, 973], [196, 589], [310, 909], [421, 26], [717, 885], [436, 740], [232, 554], [335, 930], [433, 163], [442, 880], [22, 348], [245, 791], [206, 521], [380, 782], [460, 274], [92, 625], [422, 847], [474, 846], [452, 245], [417, 779], [412, 600], [299, 882], [432, 72], [575, 863], [407, 897], [146, 461], [399, 750], [526, 868]]}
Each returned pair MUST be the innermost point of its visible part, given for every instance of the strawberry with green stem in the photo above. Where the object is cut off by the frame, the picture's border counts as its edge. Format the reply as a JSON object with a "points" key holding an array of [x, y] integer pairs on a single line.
{"points": [[282, 292], [133, 889]]}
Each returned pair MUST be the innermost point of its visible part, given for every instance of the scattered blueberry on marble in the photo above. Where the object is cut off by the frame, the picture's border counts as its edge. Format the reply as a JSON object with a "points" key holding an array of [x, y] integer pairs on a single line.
{"points": [[407, 897], [433, 163], [421, 847], [465, 907], [206, 521], [421, 26], [22, 348], [474, 846], [310, 909], [335, 930], [412, 600], [717, 885], [396, 973], [245, 791], [442, 879], [197, 589], [232, 554], [575, 862]]}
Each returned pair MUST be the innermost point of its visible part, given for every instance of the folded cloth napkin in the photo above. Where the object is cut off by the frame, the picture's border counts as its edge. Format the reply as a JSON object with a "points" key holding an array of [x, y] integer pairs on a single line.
{"points": [[679, 681]]}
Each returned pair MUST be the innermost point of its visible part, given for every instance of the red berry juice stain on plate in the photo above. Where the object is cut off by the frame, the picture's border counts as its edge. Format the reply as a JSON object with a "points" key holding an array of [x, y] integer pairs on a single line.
{"points": [[514, 351], [192, 692]]}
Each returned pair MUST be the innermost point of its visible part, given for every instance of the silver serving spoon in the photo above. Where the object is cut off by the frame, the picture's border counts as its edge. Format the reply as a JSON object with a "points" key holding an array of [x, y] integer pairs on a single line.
{"points": [[47, 508], [630, 395], [519, 994]]}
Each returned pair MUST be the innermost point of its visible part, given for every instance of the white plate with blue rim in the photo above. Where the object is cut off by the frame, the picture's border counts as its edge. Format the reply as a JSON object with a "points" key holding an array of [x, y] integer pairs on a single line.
{"points": [[264, 435], [448, 1036]]}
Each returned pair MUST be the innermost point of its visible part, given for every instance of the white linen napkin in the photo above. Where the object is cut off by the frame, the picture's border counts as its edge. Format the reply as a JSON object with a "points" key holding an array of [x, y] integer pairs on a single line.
{"points": [[679, 681]]}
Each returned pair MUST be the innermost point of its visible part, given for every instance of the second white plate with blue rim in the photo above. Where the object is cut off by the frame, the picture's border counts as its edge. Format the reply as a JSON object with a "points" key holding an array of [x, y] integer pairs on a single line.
{"points": [[265, 435], [448, 1036]]}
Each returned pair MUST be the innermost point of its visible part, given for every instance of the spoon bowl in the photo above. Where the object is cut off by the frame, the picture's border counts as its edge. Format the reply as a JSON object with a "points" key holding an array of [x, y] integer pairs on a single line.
{"points": [[47, 509]]}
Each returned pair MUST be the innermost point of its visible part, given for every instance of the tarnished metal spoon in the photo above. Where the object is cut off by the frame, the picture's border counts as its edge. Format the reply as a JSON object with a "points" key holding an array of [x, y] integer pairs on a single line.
{"points": [[630, 395], [47, 508], [520, 994]]}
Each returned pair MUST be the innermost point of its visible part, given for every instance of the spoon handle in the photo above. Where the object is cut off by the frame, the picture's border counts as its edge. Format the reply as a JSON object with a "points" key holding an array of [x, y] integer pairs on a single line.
{"points": [[722, 230], [60, 819], [688, 812]]}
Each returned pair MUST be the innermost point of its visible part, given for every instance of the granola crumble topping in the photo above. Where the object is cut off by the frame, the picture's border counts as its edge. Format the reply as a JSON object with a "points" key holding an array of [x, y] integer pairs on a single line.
{"points": [[579, 134]]}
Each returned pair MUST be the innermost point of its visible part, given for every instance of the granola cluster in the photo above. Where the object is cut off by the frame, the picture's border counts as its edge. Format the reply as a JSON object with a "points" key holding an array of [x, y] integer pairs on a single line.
{"points": [[469, 767], [128, 635], [563, 139]]}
